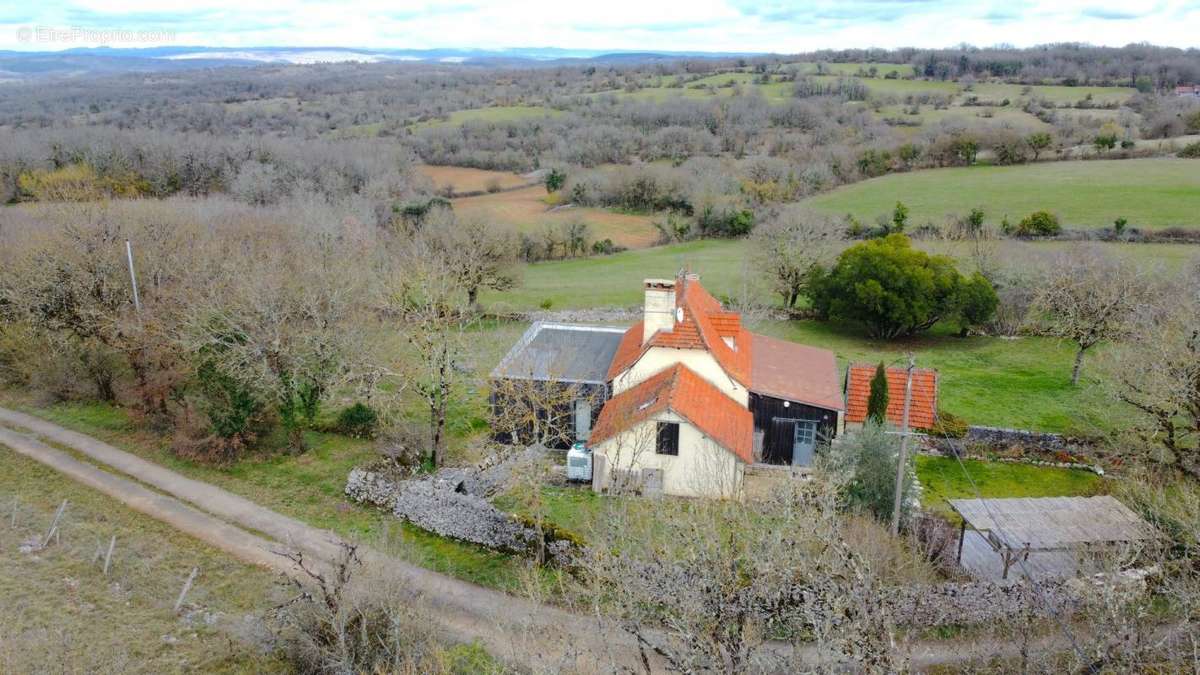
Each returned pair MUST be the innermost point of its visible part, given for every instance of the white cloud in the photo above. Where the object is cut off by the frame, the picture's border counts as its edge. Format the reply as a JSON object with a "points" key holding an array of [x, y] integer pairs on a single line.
{"points": [[693, 25]]}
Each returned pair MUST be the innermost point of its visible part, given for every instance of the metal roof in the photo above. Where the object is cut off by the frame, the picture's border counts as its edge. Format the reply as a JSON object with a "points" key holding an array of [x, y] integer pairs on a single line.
{"points": [[1049, 523], [561, 353]]}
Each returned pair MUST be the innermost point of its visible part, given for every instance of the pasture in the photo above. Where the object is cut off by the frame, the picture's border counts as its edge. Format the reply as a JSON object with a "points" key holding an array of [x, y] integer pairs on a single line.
{"points": [[1149, 193], [465, 179], [527, 211], [495, 114]]}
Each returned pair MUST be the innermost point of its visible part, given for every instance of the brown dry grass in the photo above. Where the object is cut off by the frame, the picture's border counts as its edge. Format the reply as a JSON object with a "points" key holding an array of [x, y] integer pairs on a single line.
{"points": [[469, 180], [527, 211], [59, 613]]}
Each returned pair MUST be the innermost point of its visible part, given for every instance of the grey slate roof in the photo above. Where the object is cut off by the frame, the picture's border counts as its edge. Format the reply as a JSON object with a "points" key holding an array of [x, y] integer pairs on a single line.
{"points": [[561, 352]]}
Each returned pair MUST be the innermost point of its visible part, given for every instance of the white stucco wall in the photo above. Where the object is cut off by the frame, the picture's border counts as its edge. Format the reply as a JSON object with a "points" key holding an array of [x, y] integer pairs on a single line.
{"points": [[700, 361], [701, 469]]}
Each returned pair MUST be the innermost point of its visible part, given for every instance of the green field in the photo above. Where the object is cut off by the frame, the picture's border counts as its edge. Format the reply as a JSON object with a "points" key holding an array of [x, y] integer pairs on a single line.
{"points": [[1149, 193], [928, 115], [942, 478]]}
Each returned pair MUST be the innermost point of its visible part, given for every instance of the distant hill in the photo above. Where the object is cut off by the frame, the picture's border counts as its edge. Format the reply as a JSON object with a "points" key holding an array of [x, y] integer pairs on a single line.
{"points": [[16, 65]]}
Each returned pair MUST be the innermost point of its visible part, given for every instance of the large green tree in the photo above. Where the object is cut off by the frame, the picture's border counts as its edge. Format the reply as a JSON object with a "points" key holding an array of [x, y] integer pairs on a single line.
{"points": [[893, 289]]}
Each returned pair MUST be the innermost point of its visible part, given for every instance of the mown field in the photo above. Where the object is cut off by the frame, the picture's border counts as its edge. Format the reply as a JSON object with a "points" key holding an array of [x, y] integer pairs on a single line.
{"points": [[1149, 193]]}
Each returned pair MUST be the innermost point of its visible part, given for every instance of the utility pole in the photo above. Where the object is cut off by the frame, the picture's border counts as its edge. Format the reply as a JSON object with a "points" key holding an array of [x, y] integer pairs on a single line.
{"points": [[137, 302], [903, 459]]}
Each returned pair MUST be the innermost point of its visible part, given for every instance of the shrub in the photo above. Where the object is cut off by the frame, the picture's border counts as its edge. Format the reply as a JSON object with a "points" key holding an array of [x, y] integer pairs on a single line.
{"points": [[949, 425], [603, 247], [358, 420], [1190, 151], [555, 179], [893, 289], [493, 185], [866, 459], [1038, 224], [546, 303]]}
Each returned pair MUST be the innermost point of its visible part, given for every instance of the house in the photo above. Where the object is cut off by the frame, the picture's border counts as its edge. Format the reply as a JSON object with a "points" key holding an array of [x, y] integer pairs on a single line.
{"points": [[550, 386], [690, 396], [1190, 90], [922, 411]]}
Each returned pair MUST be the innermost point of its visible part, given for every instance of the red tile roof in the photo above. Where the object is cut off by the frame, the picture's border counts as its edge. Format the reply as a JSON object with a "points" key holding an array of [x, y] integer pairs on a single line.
{"points": [[795, 372], [688, 395], [922, 411], [703, 326]]}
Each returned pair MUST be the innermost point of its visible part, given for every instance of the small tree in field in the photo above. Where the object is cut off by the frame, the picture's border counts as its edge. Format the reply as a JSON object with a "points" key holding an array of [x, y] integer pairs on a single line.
{"points": [[555, 179], [1038, 142], [899, 217], [1088, 298], [893, 289], [877, 403]]}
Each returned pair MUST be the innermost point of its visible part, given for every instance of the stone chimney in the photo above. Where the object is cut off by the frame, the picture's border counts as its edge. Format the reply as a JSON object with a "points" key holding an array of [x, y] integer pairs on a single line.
{"points": [[659, 312]]}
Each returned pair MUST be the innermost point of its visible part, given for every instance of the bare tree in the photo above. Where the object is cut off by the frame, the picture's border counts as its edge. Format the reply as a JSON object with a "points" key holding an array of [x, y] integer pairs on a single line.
{"points": [[704, 586], [789, 244], [481, 253], [1087, 298], [1159, 376], [425, 290]]}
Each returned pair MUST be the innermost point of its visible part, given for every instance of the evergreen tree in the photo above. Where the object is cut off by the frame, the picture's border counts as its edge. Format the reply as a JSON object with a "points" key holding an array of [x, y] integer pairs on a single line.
{"points": [[877, 402]]}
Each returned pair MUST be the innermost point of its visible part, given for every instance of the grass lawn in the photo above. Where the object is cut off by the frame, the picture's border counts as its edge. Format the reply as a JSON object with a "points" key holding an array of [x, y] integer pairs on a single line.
{"points": [[616, 280], [1023, 383], [1084, 194], [942, 478], [59, 612], [307, 486]]}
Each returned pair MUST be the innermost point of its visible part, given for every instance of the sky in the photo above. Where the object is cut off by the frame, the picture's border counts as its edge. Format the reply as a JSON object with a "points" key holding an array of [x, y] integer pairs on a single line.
{"points": [[653, 25]]}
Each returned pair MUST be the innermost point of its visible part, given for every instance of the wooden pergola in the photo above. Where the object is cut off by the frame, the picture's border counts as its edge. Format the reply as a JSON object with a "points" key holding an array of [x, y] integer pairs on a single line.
{"points": [[1015, 527]]}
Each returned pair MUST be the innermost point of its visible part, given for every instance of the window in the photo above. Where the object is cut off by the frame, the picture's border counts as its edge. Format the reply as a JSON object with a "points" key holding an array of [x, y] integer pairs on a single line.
{"points": [[668, 439]]}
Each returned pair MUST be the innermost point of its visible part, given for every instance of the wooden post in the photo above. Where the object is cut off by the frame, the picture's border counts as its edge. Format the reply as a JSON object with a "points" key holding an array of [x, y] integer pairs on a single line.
{"points": [[12, 523], [962, 536], [108, 556], [900, 465], [54, 525], [186, 587]]}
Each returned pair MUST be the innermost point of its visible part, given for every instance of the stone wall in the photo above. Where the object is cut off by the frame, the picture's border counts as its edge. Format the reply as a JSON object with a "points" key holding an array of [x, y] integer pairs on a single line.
{"points": [[452, 503], [1003, 438], [976, 602]]}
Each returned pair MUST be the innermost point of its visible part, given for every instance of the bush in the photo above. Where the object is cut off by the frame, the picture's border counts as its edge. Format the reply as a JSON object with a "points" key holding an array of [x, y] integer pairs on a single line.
{"points": [[894, 290], [1038, 224], [547, 303], [866, 460], [358, 420], [1190, 151], [949, 425]]}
